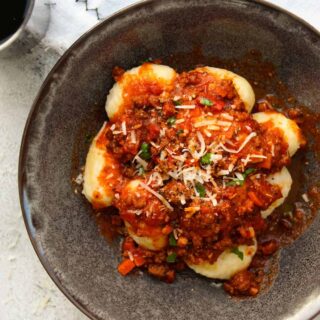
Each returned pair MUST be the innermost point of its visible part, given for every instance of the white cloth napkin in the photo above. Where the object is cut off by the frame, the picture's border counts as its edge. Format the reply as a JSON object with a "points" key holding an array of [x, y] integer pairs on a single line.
{"points": [[69, 19]]}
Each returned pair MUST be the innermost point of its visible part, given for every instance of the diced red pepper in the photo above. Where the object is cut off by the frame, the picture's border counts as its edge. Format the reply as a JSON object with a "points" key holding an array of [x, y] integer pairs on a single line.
{"points": [[255, 199], [126, 266]]}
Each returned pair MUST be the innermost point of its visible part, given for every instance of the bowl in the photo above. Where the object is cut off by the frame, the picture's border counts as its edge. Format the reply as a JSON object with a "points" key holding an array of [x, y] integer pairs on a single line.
{"points": [[70, 105]]}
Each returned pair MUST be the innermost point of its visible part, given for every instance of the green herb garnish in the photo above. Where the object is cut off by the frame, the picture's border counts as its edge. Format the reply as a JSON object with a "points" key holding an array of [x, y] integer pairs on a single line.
{"points": [[145, 151], [240, 182], [171, 258], [206, 102], [235, 182], [171, 121], [147, 60], [248, 171], [176, 102], [206, 159], [180, 131], [237, 252], [172, 240], [88, 137], [201, 190]]}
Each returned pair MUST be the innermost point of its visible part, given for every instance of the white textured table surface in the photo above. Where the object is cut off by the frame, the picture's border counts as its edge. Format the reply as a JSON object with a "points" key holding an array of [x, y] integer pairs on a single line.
{"points": [[26, 291]]}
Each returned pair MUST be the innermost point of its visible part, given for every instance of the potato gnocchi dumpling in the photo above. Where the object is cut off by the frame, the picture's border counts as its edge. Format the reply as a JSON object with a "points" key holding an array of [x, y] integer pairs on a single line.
{"points": [[100, 170], [154, 243], [154, 239], [159, 76], [227, 264], [241, 85], [284, 181], [291, 132]]}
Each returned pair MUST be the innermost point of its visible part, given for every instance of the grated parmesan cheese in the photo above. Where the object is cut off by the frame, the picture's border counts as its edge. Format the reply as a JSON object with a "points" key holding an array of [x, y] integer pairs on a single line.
{"points": [[186, 106], [305, 197], [208, 134], [155, 145], [247, 139], [133, 137], [156, 194], [124, 128], [183, 199], [162, 132], [223, 172], [227, 116], [198, 155]]}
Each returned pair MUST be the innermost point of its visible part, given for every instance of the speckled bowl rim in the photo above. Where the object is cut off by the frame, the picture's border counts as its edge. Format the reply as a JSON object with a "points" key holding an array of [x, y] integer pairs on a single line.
{"points": [[33, 111]]}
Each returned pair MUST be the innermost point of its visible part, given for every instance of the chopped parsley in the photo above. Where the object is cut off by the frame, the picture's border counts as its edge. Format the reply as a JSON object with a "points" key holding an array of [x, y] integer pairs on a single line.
{"points": [[171, 121], [248, 171], [145, 151], [239, 253], [180, 131], [206, 159], [235, 182], [176, 102], [88, 137], [206, 102], [147, 60], [171, 258], [201, 190], [240, 182], [172, 240]]}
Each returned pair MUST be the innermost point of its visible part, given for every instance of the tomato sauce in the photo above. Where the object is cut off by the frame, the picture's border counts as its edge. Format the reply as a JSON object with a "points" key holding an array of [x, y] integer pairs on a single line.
{"points": [[200, 220]]}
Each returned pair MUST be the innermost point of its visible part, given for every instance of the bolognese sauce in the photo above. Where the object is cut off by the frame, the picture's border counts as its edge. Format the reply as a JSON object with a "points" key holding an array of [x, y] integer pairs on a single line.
{"points": [[194, 174]]}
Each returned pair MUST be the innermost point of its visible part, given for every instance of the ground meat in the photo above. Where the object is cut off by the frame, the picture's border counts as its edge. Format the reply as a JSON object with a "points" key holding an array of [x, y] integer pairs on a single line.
{"points": [[242, 283], [117, 72], [173, 191], [162, 272], [269, 247]]}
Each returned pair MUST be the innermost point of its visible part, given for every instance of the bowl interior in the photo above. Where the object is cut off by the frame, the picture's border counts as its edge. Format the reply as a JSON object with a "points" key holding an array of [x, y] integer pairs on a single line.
{"points": [[70, 106]]}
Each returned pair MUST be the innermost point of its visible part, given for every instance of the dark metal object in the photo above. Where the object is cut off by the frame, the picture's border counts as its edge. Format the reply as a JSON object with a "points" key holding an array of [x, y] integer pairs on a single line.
{"points": [[17, 34]]}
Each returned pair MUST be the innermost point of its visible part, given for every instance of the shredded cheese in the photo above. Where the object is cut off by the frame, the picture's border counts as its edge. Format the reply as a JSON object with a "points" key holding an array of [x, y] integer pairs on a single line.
{"points": [[186, 106], [157, 195], [162, 132], [272, 150], [205, 123], [124, 128], [305, 197], [155, 145], [155, 179], [213, 128], [223, 172], [198, 155], [183, 199], [247, 139], [258, 156], [227, 116], [133, 137]]}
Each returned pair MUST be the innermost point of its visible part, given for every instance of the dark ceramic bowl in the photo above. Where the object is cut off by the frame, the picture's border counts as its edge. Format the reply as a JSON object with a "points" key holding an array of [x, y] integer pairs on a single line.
{"points": [[70, 105]]}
